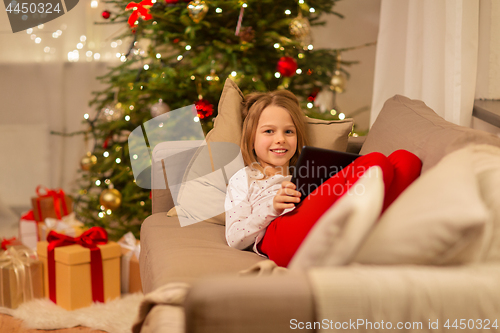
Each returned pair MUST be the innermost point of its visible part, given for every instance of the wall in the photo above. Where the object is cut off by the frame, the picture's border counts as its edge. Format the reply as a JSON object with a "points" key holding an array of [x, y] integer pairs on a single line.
{"points": [[359, 26]]}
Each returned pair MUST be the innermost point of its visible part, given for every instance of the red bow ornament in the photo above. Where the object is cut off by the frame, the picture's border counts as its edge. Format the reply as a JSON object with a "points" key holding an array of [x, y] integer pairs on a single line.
{"points": [[89, 239], [140, 10]]}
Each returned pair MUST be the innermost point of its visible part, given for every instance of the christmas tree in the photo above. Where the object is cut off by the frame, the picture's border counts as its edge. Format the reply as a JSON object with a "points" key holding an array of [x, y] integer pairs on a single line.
{"points": [[180, 54]]}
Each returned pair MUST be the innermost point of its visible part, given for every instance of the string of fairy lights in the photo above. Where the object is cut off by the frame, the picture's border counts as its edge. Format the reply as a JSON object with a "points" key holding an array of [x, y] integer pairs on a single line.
{"points": [[84, 50]]}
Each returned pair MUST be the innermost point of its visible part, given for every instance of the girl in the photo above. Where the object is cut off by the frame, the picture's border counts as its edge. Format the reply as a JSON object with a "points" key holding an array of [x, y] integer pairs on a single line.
{"points": [[260, 199]]}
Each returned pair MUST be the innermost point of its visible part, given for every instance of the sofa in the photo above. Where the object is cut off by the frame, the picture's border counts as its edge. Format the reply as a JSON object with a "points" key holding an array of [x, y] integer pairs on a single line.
{"points": [[432, 258]]}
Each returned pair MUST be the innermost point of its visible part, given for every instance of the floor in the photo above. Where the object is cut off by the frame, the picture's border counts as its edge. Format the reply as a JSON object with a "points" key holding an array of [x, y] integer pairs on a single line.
{"points": [[9, 324]]}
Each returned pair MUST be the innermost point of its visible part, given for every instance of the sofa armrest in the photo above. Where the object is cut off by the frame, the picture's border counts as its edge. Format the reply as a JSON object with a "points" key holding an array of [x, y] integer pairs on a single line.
{"points": [[248, 304], [407, 294]]}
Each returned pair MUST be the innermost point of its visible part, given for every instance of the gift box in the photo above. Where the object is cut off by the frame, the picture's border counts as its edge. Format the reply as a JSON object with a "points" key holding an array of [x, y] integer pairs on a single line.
{"points": [[130, 273], [29, 230], [67, 225], [7, 242], [52, 204], [81, 270], [21, 276]]}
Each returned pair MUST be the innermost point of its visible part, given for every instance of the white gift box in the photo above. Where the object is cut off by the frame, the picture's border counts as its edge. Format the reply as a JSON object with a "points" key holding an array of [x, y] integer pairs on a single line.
{"points": [[29, 230]]}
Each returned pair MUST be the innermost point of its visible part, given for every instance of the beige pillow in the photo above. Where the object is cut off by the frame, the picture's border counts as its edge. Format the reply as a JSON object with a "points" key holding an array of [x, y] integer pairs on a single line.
{"points": [[439, 219], [227, 128], [328, 134], [409, 124], [486, 164], [203, 190], [228, 123], [337, 235]]}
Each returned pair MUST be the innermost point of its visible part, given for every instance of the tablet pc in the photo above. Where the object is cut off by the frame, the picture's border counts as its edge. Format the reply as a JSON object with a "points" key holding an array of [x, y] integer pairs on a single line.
{"points": [[316, 165]]}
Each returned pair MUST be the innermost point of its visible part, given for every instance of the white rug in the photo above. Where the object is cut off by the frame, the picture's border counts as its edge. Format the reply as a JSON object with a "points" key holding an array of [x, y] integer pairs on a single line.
{"points": [[115, 317]]}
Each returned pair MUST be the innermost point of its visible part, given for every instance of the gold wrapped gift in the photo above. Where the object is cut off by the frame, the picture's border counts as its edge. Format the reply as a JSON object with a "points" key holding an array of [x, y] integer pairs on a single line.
{"points": [[130, 274], [73, 273], [21, 276]]}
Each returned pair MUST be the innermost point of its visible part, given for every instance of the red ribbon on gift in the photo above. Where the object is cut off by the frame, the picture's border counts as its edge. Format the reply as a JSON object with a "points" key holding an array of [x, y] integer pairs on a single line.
{"points": [[89, 239], [7, 241], [59, 200], [140, 9]]}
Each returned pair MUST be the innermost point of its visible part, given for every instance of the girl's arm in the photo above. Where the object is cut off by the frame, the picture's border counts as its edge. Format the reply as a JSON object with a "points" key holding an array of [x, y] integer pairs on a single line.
{"points": [[244, 223]]}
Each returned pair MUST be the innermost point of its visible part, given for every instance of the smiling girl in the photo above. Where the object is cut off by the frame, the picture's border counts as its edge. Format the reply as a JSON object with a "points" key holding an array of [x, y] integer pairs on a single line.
{"points": [[260, 199]]}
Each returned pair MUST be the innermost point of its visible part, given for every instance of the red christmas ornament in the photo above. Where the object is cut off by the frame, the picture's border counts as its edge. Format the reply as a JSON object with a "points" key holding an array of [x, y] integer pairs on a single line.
{"points": [[313, 94], [176, 40], [106, 143], [139, 10], [172, 1], [204, 108], [287, 66], [106, 14]]}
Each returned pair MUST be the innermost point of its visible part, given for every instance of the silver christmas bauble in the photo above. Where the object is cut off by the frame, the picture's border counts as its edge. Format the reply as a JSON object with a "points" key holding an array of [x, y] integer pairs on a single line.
{"points": [[159, 108], [337, 82]]}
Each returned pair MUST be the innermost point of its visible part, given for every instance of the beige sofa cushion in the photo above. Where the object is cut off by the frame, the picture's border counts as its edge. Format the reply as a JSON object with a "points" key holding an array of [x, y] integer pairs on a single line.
{"points": [[171, 253], [409, 124], [439, 219]]}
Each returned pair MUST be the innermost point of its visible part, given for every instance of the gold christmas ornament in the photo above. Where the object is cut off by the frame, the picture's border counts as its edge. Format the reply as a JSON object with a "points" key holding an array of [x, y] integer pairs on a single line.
{"points": [[337, 83], [110, 198], [112, 112], [213, 77], [301, 29], [88, 161], [197, 10]]}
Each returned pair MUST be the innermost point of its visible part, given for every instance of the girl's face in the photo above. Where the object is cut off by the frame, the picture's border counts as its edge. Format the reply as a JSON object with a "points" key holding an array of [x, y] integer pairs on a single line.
{"points": [[275, 140]]}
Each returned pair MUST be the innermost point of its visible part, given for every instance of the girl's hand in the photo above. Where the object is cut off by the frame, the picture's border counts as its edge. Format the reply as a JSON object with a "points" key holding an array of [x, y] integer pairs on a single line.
{"points": [[285, 197]]}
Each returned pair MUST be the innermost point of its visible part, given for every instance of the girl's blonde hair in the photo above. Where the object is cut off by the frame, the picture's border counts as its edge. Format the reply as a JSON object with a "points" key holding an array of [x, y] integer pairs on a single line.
{"points": [[255, 103]]}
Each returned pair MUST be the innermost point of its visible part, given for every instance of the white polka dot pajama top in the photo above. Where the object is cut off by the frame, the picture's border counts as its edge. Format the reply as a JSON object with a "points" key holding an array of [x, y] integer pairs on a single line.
{"points": [[249, 207]]}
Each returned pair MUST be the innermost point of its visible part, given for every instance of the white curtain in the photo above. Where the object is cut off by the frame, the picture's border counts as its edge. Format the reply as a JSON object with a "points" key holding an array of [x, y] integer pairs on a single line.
{"points": [[36, 99], [41, 91], [428, 50]]}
